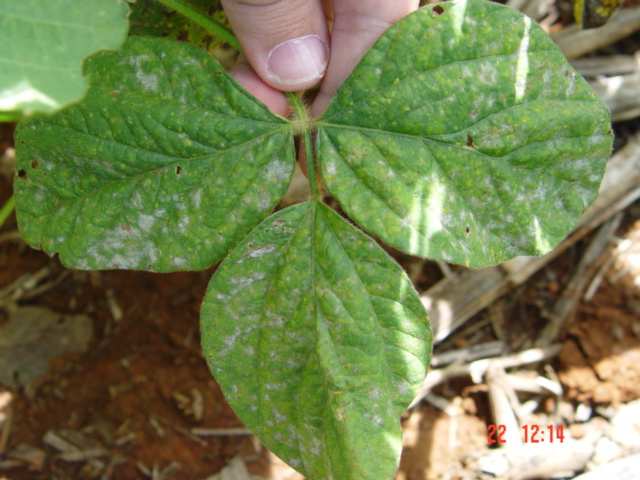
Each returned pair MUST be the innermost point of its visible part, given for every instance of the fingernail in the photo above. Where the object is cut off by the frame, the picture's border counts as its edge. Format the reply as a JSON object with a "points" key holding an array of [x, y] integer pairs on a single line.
{"points": [[298, 61]]}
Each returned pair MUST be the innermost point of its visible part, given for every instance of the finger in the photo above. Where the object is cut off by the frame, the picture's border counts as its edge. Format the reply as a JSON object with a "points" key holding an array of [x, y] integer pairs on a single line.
{"points": [[285, 41], [272, 98], [357, 25]]}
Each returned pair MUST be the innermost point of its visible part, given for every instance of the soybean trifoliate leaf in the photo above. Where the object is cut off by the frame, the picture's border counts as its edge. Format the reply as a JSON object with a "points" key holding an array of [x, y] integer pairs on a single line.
{"points": [[164, 165], [464, 135], [43, 45], [319, 342]]}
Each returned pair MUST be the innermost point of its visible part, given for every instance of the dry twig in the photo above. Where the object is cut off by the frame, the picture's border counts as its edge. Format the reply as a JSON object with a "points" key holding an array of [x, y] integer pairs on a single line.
{"points": [[478, 368], [220, 432], [452, 302], [608, 65], [568, 301], [575, 42]]}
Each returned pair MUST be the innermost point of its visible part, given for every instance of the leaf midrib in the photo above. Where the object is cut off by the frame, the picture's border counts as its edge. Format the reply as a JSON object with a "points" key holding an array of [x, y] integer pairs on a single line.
{"points": [[137, 176], [323, 218], [434, 137]]}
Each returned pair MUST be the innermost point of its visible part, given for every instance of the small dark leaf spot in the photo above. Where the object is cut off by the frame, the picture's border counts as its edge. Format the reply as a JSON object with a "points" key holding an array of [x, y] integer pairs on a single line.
{"points": [[438, 10], [178, 169], [467, 231], [22, 173], [470, 141], [34, 164]]}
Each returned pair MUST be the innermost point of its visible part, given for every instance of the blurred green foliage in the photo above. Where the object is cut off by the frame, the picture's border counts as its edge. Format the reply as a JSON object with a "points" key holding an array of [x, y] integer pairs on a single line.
{"points": [[150, 18]]}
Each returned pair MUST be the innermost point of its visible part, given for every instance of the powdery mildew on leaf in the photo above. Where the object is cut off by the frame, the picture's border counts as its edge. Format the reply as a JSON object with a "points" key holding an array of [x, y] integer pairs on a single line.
{"points": [[319, 342], [44, 44], [164, 166], [464, 135]]}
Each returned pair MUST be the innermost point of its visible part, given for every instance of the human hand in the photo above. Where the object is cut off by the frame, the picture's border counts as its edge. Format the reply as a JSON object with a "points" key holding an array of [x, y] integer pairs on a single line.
{"points": [[288, 46]]}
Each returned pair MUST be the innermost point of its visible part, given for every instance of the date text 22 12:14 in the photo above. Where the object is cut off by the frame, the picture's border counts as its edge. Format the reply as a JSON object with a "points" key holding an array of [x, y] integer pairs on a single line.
{"points": [[530, 433]]}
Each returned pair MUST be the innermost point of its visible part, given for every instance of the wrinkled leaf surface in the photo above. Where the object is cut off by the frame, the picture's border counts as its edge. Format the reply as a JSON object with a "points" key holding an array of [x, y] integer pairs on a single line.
{"points": [[464, 135], [319, 342], [164, 166]]}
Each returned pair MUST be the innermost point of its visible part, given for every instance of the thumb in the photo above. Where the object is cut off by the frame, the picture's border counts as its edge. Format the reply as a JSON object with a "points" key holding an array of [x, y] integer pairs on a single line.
{"points": [[285, 41]]}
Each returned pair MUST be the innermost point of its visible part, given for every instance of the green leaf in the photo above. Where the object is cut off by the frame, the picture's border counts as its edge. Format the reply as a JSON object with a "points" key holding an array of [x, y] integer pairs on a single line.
{"points": [[164, 166], [150, 17], [43, 45], [464, 135], [319, 342]]}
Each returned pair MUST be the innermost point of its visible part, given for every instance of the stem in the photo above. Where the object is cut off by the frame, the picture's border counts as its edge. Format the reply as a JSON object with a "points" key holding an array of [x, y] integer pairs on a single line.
{"points": [[311, 165], [302, 118], [6, 209], [209, 24], [10, 117]]}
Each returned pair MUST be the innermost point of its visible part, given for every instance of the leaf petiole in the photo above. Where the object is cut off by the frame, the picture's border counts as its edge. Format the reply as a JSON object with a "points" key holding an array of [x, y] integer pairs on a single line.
{"points": [[10, 117], [301, 125], [6, 209], [209, 24]]}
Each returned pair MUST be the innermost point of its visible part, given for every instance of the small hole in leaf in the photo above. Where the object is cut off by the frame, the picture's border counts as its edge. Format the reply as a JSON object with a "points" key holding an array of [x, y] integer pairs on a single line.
{"points": [[34, 164], [438, 10], [467, 231], [178, 170], [22, 173], [470, 141]]}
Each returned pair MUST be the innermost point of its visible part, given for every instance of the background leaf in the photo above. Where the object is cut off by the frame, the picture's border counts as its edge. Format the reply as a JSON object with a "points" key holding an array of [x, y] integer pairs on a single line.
{"points": [[150, 17], [164, 166], [43, 45], [319, 342], [464, 135]]}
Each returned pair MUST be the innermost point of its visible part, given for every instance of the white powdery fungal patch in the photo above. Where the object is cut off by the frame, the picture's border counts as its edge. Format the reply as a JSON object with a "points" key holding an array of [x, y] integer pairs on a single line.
{"points": [[145, 222], [183, 223], [229, 343], [571, 87], [197, 198], [331, 167], [403, 389], [595, 178], [136, 200], [243, 282], [264, 201], [259, 252], [277, 171], [148, 81], [377, 420], [487, 73]]}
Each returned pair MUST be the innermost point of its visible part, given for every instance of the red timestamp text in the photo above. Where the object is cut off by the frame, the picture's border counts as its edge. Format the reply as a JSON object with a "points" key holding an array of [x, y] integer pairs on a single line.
{"points": [[534, 433]]}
